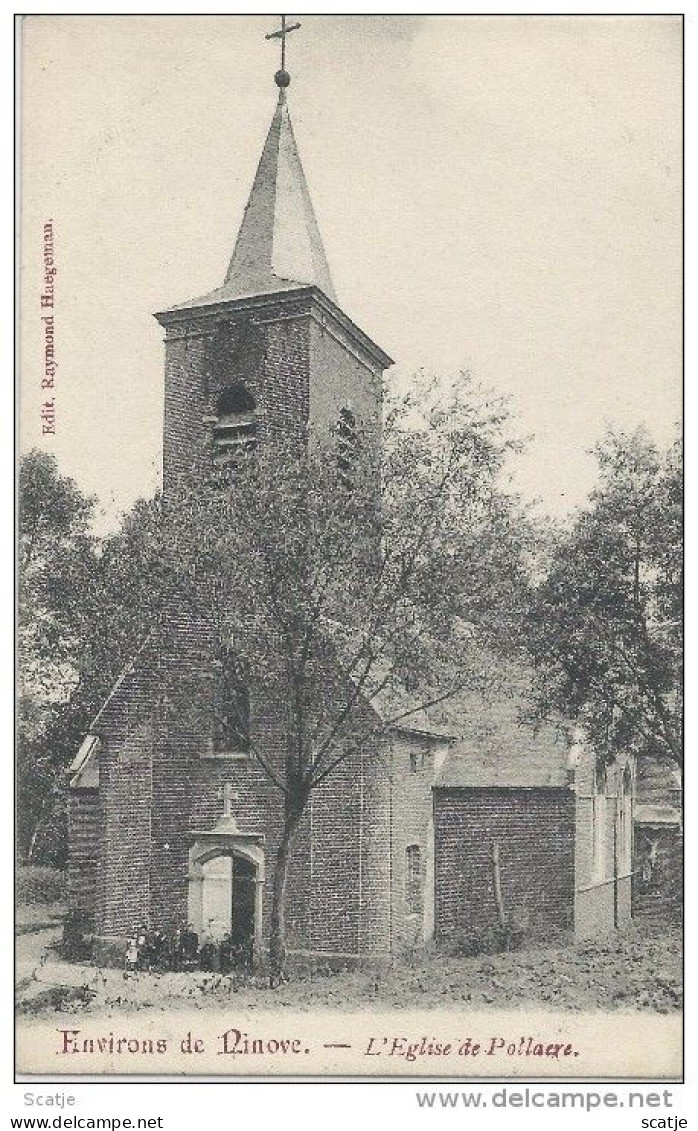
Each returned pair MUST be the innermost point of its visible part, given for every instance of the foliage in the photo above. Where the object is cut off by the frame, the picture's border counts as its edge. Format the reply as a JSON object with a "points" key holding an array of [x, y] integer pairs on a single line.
{"points": [[56, 556], [626, 972], [606, 625], [406, 577], [55, 550], [82, 605], [156, 950], [489, 940], [38, 884], [76, 943]]}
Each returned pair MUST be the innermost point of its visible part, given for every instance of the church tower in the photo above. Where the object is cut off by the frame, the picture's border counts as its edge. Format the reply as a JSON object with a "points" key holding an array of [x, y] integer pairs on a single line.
{"points": [[268, 353], [170, 825], [270, 350]]}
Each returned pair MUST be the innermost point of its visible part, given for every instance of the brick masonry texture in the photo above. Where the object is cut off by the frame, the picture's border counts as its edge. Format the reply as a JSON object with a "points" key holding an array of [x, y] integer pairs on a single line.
{"points": [[413, 768], [160, 790], [125, 786], [84, 831], [535, 833]]}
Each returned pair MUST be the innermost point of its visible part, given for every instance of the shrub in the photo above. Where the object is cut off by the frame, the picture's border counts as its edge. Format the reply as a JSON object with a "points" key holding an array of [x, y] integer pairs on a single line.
{"points": [[38, 884], [150, 949], [76, 943], [490, 940], [62, 999]]}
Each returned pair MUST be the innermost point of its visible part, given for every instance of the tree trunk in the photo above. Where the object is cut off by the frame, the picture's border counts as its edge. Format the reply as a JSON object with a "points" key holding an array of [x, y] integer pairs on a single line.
{"points": [[277, 927]]}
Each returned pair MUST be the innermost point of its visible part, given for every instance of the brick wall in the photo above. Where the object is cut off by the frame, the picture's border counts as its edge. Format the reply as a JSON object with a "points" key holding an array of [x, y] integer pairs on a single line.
{"points": [[121, 817], [297, 366], [342, 379], [125, 788], [185, 401], [266, 351], [376, 880], [535, 832], [161, 790], [413, 769], [337, 819], [350, 854], [258, 806], [285, 392], [84, 833], [276, 349]]}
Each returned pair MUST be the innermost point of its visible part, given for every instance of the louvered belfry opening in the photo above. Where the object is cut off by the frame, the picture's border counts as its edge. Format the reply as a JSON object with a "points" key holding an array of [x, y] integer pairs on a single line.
{"points": [[235, 427]]}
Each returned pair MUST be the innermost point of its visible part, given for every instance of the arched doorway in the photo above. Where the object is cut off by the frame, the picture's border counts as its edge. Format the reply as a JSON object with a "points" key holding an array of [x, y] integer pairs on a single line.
{"points": [[225, 896], [228, 897]]}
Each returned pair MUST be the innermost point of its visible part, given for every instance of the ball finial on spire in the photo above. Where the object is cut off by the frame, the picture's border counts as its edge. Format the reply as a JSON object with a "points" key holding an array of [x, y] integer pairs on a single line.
{"points": [[282, 77]]}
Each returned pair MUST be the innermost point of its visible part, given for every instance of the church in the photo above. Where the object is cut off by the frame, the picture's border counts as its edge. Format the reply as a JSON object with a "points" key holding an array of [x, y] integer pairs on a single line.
{"points": [[460, 816]]}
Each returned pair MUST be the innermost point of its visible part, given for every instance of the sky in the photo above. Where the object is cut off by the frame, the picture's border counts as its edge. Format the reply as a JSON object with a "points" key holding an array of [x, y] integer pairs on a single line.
{"points": [[498, 194]]}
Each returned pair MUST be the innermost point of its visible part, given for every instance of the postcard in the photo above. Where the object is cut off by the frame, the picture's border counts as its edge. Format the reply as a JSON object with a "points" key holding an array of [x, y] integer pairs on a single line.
{"points": [[350, 547]]}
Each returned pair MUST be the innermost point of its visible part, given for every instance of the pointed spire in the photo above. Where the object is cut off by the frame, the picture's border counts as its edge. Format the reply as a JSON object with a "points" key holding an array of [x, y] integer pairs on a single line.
{"points": [[279, 247], [279, 242]]}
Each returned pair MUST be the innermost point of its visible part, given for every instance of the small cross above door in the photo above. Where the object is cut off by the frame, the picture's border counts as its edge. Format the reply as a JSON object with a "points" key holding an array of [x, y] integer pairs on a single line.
{"points": [[229, 795]]}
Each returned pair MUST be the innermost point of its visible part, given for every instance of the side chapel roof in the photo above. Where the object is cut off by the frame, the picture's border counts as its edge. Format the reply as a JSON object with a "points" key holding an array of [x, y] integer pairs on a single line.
{"points": [[497, 747], [490, 743]]}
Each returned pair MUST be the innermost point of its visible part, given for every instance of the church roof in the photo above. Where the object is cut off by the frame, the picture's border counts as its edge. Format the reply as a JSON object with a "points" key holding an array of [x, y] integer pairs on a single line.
{"points": [[486, 725], [497, 748], [279, 246], [490, 742], [399, 710]]}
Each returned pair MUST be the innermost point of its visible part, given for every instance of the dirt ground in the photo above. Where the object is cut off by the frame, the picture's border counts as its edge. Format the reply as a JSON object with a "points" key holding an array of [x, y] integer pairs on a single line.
{"points": [[633, 971]]}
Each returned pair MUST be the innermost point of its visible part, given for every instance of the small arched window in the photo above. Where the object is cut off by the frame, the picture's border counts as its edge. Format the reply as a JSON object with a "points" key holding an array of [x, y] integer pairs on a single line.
{"points": [[346, 444], [235, 425], [231, 713]]}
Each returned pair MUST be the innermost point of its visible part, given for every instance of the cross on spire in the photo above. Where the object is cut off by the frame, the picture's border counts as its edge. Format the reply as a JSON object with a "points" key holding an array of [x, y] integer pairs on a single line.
{"points": [[282, 77]]}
